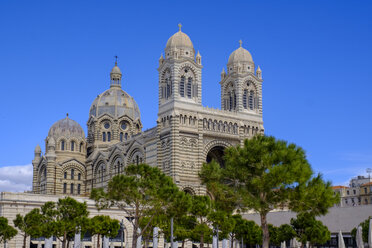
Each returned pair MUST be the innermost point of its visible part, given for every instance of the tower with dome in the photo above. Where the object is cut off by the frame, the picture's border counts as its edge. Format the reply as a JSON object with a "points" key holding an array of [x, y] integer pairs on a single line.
{"points": [[187, 134]]}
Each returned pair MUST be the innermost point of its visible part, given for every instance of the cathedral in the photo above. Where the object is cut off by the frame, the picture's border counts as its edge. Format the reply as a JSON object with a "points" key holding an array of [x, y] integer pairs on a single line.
{"points": [[186, 135]]}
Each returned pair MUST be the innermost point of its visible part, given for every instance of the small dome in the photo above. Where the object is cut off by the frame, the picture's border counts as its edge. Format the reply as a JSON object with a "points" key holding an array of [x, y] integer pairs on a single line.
{"points": [[179, 40], [115, 70], [240, 55], [67, 128], [115, 102]]}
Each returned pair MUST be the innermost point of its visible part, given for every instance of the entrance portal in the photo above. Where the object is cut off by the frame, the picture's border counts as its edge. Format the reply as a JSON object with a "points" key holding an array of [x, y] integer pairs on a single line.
{"points": [[216, 154]]}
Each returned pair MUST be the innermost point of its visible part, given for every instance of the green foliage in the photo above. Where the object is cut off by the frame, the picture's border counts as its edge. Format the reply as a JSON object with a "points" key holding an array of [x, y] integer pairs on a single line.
{"points": [[29, 224], [6, 232], [102, 225], [266, 174], [315, 196], [248, 230], [307, 228], [143, 193], [365, 230], [64, 219], [285, 233]]}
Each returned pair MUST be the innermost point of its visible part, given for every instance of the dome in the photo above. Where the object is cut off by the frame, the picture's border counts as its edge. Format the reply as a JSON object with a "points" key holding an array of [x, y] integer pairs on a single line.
{"points": [[115, 102], [179, 40], [240, 55], [115, 69], [67, 128]]}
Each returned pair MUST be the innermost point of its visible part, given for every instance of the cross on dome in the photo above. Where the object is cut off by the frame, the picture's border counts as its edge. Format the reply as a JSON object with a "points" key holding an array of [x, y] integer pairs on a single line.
{"points": [[179, 26], [240, 43], [116, 59]]}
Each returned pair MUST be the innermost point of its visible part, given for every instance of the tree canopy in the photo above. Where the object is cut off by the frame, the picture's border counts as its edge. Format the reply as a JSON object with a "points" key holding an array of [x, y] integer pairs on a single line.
{"points": [[266, 174], [64, 219], [29, 224], [102, 225], [142, 192], [309, 229], [7, 232]]}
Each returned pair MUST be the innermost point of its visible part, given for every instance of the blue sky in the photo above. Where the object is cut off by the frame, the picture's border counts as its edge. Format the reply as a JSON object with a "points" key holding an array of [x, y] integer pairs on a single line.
{"points": [[315, 56]]}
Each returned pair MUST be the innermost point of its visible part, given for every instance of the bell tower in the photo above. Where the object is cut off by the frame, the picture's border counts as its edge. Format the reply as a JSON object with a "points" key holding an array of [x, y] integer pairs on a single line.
{"points": [[179, 72]]}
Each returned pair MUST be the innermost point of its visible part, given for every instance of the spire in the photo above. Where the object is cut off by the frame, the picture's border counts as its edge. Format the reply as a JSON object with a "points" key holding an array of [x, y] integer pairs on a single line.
{"points": [[66, 115], [116, 60], [198, 58], [179, 26], [259, 72], [223, 73], [240, 43], [161, 59]]}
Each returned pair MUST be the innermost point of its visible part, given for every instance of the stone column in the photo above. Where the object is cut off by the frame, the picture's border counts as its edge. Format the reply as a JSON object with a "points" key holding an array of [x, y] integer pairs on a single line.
{"points": [[48, 242], [105, 242], [155, 237]]}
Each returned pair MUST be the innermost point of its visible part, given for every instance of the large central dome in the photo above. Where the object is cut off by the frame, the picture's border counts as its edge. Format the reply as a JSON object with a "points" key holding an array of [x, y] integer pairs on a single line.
{"points": [[115, 101]]}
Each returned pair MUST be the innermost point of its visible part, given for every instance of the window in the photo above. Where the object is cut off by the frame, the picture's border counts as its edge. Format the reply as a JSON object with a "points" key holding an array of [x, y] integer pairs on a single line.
{"points": [[245, 99], [251, 94], [168, 89], [81, 147], [189, 87], [64, 188], [126, 136], [72, 173], [347, 192], [354, 192], [79, 176], [230, 102], [104, 137], [62, 145], [65, 176], [365, 190], [72, 188], [78, 189], [182, 86], [108, 136], [72, 145], [121, 137]]}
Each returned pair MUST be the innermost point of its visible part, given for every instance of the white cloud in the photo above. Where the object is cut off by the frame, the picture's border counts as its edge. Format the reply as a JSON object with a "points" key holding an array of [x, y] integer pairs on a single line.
{"points": [[17, 178]]}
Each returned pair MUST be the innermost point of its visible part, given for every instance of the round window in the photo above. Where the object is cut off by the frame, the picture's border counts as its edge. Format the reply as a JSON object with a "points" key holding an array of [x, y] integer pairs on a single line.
{"points": [[107, 125], [124, 125]]}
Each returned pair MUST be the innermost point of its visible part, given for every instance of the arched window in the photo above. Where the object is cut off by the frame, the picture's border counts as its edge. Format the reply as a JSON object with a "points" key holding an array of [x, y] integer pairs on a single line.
{"points": [[64, 188], [137, 160], [72, 145], [72, 173], [168, 88], [79, 176], [182, 86], [62, 145], [81, 147], [230, 102], [108, 136], [121, 137], [126, 136], [245, 99], [65, 175], [251, 95], [189, 87], [104, 137], [78, 189], [72, 189]]}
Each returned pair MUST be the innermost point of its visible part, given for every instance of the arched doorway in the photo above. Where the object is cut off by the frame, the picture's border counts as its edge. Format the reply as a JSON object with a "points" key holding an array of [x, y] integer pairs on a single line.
{"points": [[216, 154]]}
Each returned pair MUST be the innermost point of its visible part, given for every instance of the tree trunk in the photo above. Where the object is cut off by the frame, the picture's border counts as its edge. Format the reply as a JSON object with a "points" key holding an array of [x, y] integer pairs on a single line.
{"points": [[135, 236], [64, 240], [265, 231], [98, 239], [232, 241], [183, 243], [202, 241], [24, 241]]}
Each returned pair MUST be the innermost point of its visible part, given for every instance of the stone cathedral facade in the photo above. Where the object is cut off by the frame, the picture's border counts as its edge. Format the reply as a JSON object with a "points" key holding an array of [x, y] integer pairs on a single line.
{"points": [[187, 134]]}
